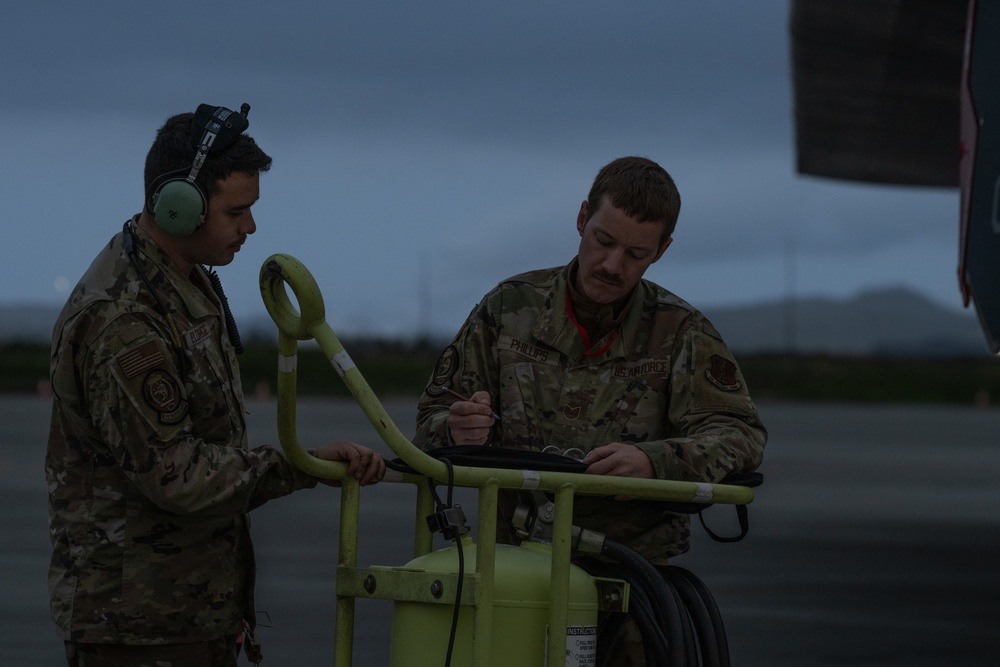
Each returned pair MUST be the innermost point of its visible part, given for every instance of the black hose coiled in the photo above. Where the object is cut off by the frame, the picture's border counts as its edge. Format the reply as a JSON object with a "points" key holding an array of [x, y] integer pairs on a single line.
{"points": [[676, 615], [663, 599], [705, 615]]}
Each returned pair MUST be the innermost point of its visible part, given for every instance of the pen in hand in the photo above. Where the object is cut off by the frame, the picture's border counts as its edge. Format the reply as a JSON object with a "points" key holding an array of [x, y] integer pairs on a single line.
{"points": [[457, 395]]}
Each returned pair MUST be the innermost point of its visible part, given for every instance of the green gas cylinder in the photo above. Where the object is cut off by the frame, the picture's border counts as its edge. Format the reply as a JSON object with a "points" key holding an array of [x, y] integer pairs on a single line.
{"points": [[420, 630]]}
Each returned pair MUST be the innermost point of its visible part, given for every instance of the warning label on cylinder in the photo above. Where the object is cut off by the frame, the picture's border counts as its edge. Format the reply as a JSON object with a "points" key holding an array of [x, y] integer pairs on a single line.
{"points": [[581, 646]]}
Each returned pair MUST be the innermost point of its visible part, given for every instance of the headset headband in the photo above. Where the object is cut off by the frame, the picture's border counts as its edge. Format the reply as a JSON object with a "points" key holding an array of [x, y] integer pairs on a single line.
{"points": [[179, 205], [221, 128]]}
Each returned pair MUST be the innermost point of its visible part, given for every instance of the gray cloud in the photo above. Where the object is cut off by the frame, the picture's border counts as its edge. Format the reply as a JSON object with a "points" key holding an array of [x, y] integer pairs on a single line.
{"points": [[443, 146]]}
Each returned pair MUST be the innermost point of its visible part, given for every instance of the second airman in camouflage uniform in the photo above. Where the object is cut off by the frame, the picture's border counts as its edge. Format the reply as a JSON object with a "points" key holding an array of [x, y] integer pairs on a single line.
{"points": [[592, 357], [666, 385]]}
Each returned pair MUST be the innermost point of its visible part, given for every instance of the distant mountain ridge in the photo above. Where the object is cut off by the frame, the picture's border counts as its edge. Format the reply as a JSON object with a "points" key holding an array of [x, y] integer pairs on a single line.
{"points": [[892, 321]]}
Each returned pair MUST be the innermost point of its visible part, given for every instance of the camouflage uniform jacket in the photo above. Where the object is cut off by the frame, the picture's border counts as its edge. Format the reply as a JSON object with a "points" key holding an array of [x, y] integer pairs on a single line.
{"points": [[148, 471], [664, 381]]}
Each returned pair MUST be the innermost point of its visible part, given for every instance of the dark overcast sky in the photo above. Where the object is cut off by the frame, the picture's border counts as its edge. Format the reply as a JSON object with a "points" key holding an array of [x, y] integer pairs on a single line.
{"points": [[425, 151]]}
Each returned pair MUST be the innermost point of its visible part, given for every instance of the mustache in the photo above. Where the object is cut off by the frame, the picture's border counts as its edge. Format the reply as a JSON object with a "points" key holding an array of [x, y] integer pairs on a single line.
{"points": [[608, 278]]}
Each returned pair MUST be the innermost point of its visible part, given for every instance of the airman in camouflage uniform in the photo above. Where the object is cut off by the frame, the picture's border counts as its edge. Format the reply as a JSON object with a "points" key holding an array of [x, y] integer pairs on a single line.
{"points": [[592, 357], [149, 473], [666, 385]]}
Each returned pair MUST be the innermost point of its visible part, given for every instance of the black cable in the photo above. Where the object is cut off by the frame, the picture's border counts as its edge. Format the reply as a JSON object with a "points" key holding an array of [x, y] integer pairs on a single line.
{"points": [[640, 610], [461, 558], [608, 629], [700, 620], [712, 637], [231, 330], [655, 644], [741, 516], [669, 614], [690, 638], [635, 564], [175, 340], [688, 619], [688, 641]]}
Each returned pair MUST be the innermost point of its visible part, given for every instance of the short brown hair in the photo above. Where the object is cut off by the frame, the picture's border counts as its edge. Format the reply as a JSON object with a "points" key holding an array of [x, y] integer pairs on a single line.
{"points": [[172, 153], [639, 187]]}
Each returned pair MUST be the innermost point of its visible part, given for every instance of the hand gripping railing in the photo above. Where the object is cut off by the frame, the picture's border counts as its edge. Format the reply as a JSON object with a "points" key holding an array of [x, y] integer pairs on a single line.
{"points": [[309, 322]]}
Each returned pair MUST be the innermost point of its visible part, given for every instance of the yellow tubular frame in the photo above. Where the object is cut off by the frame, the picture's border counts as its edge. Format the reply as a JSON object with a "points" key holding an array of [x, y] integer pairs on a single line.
{"points": [[309, 322]]}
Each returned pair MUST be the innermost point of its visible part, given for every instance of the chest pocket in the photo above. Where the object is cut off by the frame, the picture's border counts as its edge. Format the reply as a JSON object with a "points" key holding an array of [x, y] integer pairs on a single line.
{"points": [[522, 414], [530, 378], [584, 407], [213, 382], [642, 413]]}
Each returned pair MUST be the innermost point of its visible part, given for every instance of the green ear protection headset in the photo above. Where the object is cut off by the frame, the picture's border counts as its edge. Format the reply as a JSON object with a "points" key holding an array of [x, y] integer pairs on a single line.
{"points": [[179, 203]]}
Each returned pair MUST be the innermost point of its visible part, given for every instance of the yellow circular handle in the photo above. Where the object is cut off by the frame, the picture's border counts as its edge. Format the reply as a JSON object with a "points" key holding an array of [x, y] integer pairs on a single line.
{"points": [[275, 272]]}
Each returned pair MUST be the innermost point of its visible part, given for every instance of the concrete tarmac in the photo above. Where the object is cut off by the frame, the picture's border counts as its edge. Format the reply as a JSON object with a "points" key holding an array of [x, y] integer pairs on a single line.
{"points": [[874, 541]]}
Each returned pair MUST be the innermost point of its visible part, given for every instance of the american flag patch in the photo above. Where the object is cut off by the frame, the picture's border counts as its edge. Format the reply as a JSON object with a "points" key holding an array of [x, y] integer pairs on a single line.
{"points": [[141, 359]]}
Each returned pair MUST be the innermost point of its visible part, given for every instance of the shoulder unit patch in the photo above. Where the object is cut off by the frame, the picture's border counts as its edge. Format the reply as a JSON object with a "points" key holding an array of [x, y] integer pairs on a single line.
{"points": [[444, 371], [723, 373], [162, 394]]}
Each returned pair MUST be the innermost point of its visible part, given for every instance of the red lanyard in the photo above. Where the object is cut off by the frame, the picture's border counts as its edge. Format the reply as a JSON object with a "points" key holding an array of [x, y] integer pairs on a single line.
{"points": [[588, 352]]}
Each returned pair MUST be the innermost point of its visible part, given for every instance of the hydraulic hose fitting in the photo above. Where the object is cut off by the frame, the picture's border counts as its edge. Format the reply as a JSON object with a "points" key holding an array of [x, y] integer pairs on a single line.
{"points": [[587, 541]]}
